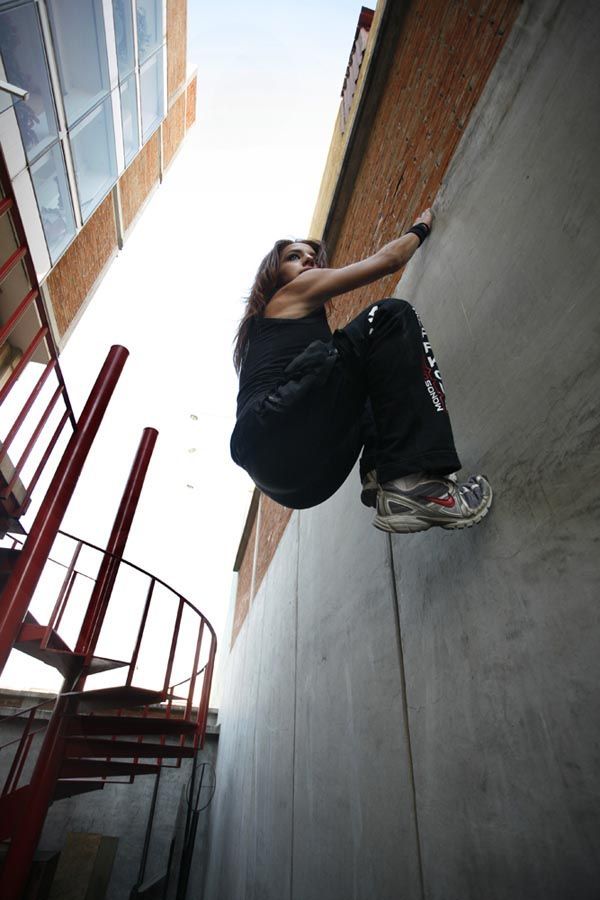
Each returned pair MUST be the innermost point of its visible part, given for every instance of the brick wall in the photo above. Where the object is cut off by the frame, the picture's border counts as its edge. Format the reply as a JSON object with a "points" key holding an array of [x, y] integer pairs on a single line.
{"points": [[244, 585], [173, 130], [139, 178], [77, 271], [442, 60], [190, 106], [176, 45], [440, 67]]}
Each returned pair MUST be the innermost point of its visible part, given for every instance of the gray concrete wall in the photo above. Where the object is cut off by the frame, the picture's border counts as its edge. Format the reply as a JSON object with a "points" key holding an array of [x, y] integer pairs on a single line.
{"points": [[417, 716]]}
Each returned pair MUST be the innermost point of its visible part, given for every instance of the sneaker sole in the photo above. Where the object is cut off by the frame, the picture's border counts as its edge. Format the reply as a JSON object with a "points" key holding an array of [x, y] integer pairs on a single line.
{"points": [[401, 524], [411, 524]]}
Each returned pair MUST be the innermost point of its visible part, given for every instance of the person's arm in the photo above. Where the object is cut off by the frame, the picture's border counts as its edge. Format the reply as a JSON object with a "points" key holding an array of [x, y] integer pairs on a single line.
{"points": [[314, 287]]}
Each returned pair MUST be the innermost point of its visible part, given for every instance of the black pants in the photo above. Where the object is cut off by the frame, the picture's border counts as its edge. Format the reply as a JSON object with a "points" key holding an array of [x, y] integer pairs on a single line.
{"points": [[375, 386]]}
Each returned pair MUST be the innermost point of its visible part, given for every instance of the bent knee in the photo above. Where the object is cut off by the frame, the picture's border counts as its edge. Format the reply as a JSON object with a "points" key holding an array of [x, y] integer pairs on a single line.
{"points": [[392, 305]]}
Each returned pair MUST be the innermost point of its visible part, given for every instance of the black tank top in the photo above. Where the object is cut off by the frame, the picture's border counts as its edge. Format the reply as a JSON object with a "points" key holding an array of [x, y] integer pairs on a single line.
{"points": [[272, 345]]}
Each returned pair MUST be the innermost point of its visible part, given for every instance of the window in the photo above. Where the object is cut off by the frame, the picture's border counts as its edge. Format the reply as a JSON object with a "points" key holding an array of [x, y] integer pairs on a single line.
{"points": [[54, 200], [93, 149], [123, 18], [152, 91], [149, 27], [129, 119], [79, 41], [25, 66]]}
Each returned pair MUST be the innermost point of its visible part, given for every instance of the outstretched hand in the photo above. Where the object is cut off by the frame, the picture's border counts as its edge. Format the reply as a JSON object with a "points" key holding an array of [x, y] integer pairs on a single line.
{"points": [[426, 217]]}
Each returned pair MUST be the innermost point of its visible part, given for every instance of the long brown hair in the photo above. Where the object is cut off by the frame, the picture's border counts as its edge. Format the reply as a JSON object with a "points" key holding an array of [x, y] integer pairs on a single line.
{"points": [[265, 285]]}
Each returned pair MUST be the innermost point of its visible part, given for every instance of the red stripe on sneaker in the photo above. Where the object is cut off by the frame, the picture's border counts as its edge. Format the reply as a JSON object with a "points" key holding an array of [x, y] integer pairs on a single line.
{"points": [[441, 501]]}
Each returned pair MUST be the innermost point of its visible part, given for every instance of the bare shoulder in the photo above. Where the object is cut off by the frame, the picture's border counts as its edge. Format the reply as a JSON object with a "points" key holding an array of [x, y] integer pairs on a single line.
{"points": [[287, 303]]}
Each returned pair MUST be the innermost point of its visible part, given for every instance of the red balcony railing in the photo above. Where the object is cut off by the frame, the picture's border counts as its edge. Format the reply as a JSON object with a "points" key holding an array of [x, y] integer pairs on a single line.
{"points": [[38, 416]]}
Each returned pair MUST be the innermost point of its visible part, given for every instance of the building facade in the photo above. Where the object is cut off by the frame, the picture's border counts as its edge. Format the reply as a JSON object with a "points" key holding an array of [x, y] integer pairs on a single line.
{"points": [[109, 99]]}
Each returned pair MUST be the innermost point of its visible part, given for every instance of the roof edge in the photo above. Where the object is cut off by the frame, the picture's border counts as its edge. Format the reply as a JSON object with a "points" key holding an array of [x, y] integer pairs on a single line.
{"points": [[248, 525], [385, 36]]}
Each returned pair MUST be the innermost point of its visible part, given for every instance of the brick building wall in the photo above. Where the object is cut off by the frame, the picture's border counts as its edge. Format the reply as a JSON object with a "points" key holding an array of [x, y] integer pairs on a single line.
{"points": [[437, 75], [190, 105], [78, 270], [139, 179], [173, 130], [244, 585], [438, 69], [176, 45], [69, 285]]}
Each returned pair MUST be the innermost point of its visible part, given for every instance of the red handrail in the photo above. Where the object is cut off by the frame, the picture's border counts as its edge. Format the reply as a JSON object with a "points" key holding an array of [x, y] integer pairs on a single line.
{"points": [[18, 370], [32, 441], [11, 505], [11, 262], [16, 315], [26, 408]]}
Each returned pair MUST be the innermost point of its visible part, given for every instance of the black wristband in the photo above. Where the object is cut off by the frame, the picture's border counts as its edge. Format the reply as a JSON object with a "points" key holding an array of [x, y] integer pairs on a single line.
{"points": [[421, 230]]}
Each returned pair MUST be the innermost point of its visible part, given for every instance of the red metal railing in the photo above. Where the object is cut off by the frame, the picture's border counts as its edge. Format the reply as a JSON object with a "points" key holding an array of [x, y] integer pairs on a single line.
{"points": [[191, 652], [11, 782], [42, 439], [190, 655], [200, 639]]}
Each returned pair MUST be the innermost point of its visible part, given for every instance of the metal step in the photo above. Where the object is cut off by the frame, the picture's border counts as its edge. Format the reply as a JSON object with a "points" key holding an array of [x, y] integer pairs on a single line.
{"points": [[10, 525], [99, 768], [123, 697], [57, 653], [91, 726], [96, 747], [75, 786]]}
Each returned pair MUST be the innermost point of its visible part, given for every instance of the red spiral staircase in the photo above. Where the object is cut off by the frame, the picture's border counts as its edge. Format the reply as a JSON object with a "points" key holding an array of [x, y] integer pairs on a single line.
{"points": [[67, 603]]}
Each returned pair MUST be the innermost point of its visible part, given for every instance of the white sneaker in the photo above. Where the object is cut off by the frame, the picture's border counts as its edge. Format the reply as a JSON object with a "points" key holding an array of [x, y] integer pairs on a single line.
{"points": [[419, 502]]}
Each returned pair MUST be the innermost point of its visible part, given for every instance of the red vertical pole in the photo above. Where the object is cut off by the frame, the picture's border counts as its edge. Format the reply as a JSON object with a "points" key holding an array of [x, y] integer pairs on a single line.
{"points": [[109, 567], [26, 574], [25, 836]]}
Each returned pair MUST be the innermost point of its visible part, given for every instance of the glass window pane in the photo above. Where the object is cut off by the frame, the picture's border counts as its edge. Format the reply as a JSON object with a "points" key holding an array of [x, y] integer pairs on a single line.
{"points": [[79, 41], [93, 148], [129, 118], [149, 27], [25, 66], [151, 89], [123, 19], [54, 200]]}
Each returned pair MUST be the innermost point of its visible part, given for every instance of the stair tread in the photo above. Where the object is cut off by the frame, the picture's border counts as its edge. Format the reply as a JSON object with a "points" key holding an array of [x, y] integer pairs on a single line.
{"points": [[98, 768], [115, 697], [32, 632], [96, 747], [107, 725], [73, 786], [57, 653]]}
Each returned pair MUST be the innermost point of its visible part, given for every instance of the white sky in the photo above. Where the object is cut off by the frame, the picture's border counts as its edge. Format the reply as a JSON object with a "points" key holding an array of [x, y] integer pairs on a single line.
{"points": [[248, 173]]}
